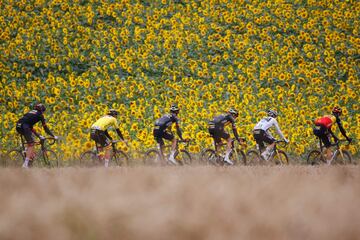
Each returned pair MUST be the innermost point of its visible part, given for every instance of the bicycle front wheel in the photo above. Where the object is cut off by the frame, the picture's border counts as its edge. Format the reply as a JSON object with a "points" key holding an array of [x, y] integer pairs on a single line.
{"points": [[281, 158], [314, 158], [253, 158], [183, 157], [119, 158], [342, 158], [89, 159], [14, 158], [50, 159], [238, 158], [210, 157], [152, 158]]}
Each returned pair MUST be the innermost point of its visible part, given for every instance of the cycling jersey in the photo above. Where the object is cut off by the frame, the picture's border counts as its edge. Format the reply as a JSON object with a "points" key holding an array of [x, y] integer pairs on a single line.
{"points": [[105, 122], [31, 118], [25, 125], [216, 127], [266, 123], [166, 121], [326, 121], [222, 120]]}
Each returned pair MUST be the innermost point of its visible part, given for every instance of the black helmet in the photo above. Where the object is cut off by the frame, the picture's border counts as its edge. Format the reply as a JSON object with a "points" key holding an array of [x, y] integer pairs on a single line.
{"points": [[233, 112], [272, 113], [113, 112], [40, 107], [174, 109], [337, 111]]}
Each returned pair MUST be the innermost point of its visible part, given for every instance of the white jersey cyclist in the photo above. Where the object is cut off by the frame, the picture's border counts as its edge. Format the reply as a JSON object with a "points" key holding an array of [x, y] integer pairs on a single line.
{"points": [[268, 122], [262, 135]]}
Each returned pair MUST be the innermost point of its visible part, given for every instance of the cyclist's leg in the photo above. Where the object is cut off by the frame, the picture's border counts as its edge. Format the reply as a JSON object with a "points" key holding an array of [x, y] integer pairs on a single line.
{"points": [[226, 136], [324, 136], [159, 140], [259, 140], [171, 137], [270, 147], [25, 132], [104, 142]]}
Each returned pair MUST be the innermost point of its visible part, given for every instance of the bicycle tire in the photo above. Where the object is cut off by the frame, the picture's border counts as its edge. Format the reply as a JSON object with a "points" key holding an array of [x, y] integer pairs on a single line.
{"points": [[14, 158], [240, 159], [50, 159], [210, 157], [314, 158], [89, 159], [119, 159], [338, 159], [280, 158], [253, 158], [152, 158], [183, 157]]}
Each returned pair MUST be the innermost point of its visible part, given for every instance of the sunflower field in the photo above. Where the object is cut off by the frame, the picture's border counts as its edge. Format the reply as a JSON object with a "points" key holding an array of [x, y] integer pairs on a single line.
{"points": [[82, 57]]}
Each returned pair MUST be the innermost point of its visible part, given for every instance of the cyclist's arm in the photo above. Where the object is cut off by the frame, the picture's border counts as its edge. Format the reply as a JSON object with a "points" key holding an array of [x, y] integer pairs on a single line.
{"points": [[234, 129], [119, 134], [278, 130], [341, 128], [47, 130], [178, 131], [108, 135]]}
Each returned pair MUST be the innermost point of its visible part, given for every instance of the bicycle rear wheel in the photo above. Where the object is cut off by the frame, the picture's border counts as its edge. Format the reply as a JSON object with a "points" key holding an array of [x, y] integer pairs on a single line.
{"points": [[253, 158], [281, 158], [152, 158], [14, 158], [89, 159], [183, 157], [342, 159], [119, 159], [314, 158]]}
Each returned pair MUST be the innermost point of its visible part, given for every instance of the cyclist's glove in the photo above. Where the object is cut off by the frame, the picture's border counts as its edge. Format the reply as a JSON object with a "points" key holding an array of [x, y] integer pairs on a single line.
{"points": [[42, 138], [286, 140]]}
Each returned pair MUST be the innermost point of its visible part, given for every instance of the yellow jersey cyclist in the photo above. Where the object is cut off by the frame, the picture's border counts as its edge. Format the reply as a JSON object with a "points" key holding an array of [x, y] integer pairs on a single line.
{"points": [[323, 130], [160, 131], [217, 131], [262, 134], [24, 127], [99, 133]]}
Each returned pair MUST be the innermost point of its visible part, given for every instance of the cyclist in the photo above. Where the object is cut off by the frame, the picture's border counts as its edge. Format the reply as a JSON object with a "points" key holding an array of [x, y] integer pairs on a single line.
{"points": [[323, 130], [217, 131], [24, 127], [262, 134], [160, 131], [99, 132]]}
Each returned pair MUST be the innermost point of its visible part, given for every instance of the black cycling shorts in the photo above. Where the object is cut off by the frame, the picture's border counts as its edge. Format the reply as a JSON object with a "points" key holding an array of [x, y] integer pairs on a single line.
{"points": [[262, 136], [218, 134], [159, 135], [322, 133], [100, 138], [25, 130]]}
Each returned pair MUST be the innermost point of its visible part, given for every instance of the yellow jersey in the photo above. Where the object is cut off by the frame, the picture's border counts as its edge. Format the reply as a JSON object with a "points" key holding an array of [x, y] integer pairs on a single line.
{"points": [[105, 122]]}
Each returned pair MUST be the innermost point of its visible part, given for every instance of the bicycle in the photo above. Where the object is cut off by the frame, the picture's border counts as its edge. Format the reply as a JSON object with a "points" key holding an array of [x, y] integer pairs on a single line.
{"points": [[155, 157], [339, 156], [44, 157], [93, 158], [277, 156], [216, 158]]}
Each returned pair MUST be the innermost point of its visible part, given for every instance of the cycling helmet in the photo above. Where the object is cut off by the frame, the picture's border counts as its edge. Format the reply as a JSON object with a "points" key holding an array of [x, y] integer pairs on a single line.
{"points": [[337, 111], [234, 112], [174, 109], [113, 112], [40, 107], [272, 113]]}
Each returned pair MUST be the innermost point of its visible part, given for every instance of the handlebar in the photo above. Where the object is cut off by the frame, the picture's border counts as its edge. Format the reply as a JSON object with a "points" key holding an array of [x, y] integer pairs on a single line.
{"points": [[281, 143], [51, 141]]}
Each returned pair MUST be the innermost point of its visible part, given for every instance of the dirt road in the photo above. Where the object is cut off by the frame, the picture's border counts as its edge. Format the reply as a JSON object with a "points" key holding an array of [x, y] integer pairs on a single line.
{"points": [[295, 202]]}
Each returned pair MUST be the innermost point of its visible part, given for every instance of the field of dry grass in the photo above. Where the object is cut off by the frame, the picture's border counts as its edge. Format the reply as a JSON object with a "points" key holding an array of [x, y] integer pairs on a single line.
{"points": [[294, 202]]}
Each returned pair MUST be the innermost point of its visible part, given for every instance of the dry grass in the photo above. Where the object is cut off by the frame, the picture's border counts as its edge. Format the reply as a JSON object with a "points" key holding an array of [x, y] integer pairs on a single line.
{"points": [[296, 202]]}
